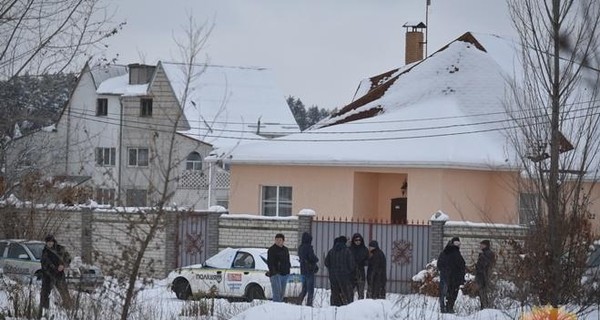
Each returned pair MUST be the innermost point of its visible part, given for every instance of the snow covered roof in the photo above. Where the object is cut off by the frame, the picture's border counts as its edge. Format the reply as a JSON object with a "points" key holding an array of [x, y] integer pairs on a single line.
{"points": [[226, 105], [120, 86], [444, 111], [100, 74]]}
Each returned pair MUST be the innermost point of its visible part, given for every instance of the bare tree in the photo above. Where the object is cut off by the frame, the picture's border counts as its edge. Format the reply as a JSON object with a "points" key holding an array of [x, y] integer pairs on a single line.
{"points": [[557, 141], [40, 37]]}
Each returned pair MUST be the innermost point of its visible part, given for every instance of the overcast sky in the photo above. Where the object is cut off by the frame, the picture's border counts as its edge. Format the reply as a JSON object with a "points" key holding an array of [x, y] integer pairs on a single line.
{"points": [[319, 50]]}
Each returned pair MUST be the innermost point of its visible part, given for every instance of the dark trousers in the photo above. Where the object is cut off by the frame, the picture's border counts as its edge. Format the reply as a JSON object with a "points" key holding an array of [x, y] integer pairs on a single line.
{"points": [[359, 284], [448, 295], [48, 283], [308, 289], [484, 297]]}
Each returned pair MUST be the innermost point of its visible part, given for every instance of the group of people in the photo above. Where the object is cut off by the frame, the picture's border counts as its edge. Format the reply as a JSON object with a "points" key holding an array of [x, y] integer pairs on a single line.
{"points": [[345, 262], [452, 269]]}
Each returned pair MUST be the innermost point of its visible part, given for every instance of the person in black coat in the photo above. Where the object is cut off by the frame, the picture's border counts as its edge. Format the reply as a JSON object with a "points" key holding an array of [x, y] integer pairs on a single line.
{"points": [[376, 272], [340, 264], [452, 268], [278, 260], [308, 268], [55, 259], [483, 270], [361, 255]]}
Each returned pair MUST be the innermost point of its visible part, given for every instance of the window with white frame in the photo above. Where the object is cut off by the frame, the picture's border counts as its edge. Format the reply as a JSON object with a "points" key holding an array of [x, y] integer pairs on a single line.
{"points": [[529, 207], [137, 197], [102, 107], [106, 157], [138, 157], [105, 196], [146, 107], [276, 201], [193, 161]]}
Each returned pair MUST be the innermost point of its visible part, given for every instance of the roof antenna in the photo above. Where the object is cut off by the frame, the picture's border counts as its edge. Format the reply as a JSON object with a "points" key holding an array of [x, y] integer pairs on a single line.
{"points": [[258, 127], [428, 3]]}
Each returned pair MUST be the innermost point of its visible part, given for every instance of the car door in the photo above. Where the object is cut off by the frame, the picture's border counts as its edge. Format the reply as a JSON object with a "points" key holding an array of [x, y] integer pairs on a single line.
{"points": [[18, 262], [241, 273]]}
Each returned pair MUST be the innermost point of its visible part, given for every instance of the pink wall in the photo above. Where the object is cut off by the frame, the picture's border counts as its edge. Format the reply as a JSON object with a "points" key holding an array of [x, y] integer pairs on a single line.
{"points": [[367, 192]]}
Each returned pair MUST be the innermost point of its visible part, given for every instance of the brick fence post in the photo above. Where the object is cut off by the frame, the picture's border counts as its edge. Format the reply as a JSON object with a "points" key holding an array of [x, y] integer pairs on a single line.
{"points": [[436, 236], [305, 218], [87, 247], [213, 233], [171, 250]]}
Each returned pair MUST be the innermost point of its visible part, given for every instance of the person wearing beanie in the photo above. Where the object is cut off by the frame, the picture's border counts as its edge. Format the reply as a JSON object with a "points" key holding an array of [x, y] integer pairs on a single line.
{"points": [[483, 270], [55, 259], [376, 272], [340, 265], [452, 268], [361, 255]]}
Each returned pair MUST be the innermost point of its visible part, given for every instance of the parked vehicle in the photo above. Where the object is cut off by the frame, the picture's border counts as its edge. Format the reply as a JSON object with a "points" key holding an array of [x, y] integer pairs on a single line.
{"points": [[20, 260], [233, 274]]}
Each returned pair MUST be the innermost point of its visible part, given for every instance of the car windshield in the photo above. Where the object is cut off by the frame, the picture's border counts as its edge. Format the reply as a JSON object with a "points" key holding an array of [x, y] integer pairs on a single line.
{"points": [[36, 249], [594, 258]]}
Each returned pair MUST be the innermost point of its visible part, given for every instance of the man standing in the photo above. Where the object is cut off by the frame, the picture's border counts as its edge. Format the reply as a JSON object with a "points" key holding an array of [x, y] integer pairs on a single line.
{"points": [[452, 269], [340, 264], [55, 259], [483, 271], [376, 272], [360, 254], [308, 268], [278, 260]]}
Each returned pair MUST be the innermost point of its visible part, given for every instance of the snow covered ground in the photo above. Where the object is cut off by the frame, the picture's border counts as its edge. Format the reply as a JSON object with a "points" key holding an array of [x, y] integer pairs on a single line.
{"points": [[158, 302]]}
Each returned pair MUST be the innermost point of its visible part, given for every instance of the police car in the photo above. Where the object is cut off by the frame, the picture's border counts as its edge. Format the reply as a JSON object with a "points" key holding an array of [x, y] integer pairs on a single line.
{"points": [[21, 260], [233, 274]]}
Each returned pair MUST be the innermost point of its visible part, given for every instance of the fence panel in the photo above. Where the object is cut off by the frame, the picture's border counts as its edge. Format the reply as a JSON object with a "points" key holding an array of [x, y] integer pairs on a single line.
{"points": [[406, 248], [192, 238]]}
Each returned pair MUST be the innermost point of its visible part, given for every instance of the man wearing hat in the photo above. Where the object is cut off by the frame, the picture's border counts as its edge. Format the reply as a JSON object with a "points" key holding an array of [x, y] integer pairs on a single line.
{"points": [[452, 268], [376, 274], [55, 259], [483, 270]]}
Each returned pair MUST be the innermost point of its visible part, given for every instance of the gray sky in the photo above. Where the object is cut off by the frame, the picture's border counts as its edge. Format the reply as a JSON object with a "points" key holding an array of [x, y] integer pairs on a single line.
{"points": [[318, 49]]}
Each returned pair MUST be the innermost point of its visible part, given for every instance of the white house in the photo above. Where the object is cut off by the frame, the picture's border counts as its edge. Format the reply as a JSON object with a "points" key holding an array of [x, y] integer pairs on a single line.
{"points": [[141, 133]]}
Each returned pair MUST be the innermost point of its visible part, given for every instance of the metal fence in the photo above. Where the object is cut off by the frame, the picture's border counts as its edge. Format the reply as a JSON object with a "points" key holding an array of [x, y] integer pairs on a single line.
{"points": [[406, 247], [192, 238]]}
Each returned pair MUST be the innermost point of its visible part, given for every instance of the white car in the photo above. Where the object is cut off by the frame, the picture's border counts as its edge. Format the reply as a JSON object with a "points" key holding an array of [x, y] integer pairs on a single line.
{"points": [[21, 260], [233, 274]]}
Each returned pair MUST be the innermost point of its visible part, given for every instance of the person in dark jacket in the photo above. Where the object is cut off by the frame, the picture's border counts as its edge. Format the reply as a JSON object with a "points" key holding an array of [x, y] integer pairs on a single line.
{"points": [[308, 268], [361, 255], [278, 260], [340, 264], [483, 271], [452, 269], [376, 272], [55, 259]]}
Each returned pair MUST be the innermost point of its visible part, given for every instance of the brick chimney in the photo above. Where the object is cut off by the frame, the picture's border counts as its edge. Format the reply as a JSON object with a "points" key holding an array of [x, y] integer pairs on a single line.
{"points": [[140, 73], [414, 42]]}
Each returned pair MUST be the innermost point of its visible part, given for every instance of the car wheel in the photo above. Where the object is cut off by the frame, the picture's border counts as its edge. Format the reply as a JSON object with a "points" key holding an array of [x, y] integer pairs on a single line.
{"points": [[254, 292], [182, 289]]}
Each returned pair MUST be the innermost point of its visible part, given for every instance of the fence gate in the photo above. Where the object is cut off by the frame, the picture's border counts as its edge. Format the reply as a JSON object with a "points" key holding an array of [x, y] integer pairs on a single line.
{"points": [[192, 238], [406, 248]]}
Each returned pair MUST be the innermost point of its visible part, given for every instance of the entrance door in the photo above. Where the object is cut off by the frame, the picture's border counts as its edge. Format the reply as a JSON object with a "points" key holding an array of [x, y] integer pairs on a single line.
{"points": [[399, 212]]}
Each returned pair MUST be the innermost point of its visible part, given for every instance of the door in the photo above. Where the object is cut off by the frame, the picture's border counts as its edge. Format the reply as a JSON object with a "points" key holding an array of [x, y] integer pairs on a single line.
{"points": [[399, 212]]}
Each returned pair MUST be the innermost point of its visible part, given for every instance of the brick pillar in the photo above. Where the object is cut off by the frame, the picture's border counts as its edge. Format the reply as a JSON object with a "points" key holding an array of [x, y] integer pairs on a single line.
{"points": [[305, 218], [213, 233], [171, 250], [87, 246], [436, 238]]}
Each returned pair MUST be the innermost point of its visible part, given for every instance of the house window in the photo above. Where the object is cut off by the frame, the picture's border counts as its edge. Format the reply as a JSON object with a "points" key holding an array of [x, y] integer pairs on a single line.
{"points": [[277, 201], [105, 196], [193, 162], [146, 108], [102, 107], [529, 207], [138, 157], [105, 157], [137, 197]]}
